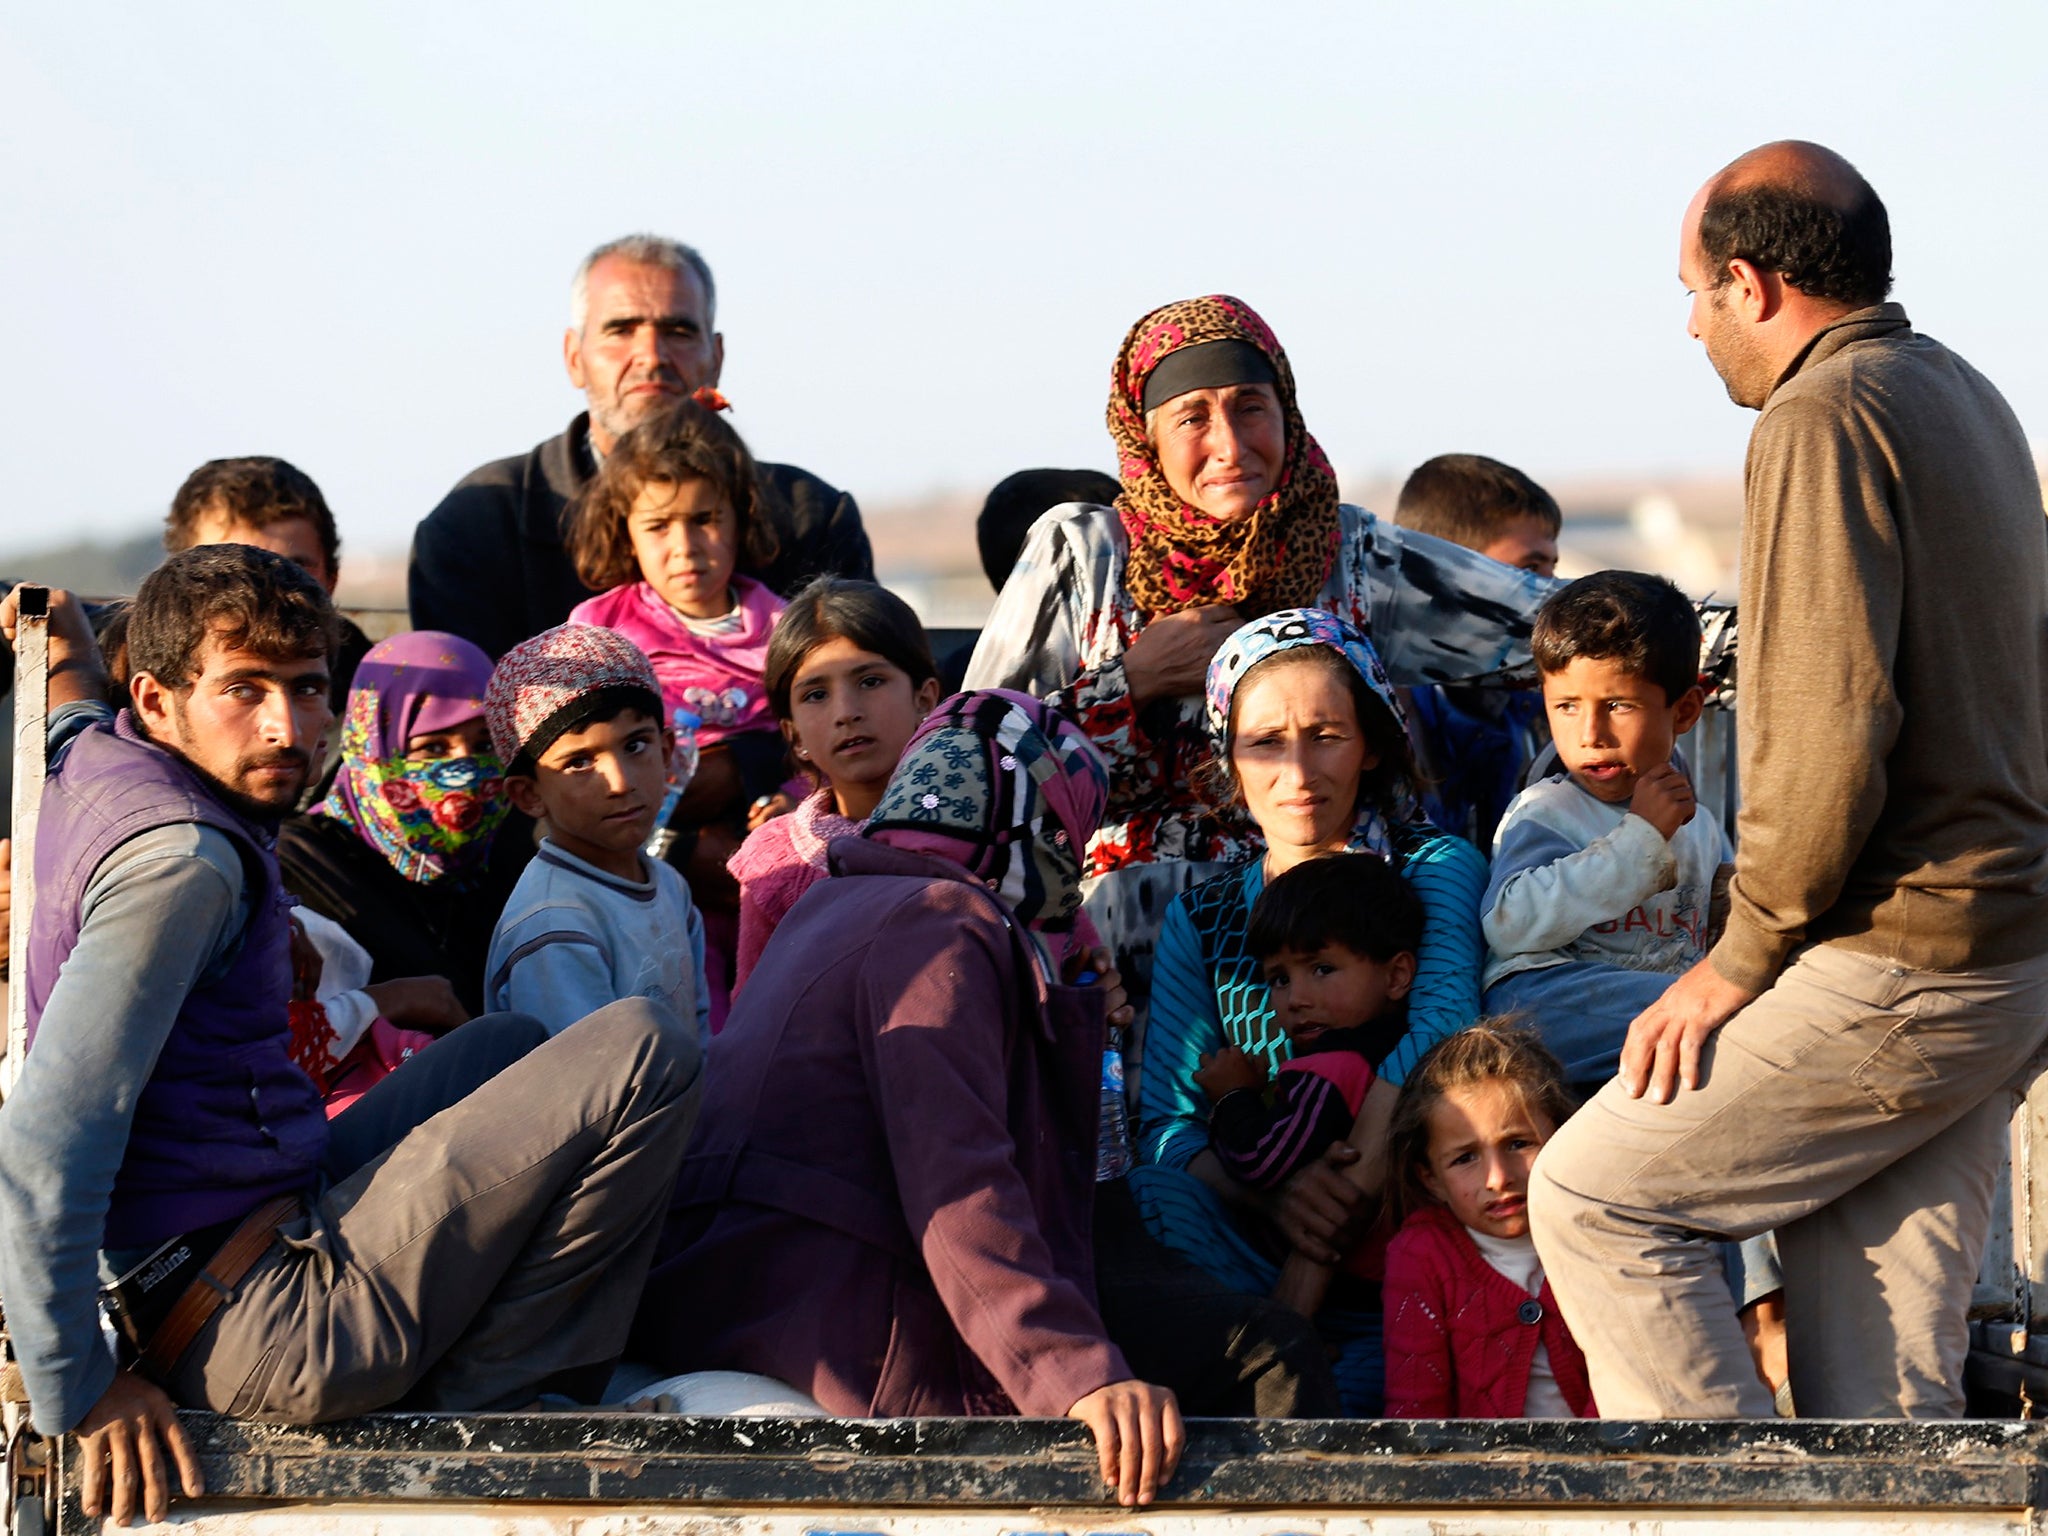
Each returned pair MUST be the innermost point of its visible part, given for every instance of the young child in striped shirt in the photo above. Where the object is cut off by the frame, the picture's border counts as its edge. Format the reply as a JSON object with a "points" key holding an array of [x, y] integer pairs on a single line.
{"points": [[1336, 939]]}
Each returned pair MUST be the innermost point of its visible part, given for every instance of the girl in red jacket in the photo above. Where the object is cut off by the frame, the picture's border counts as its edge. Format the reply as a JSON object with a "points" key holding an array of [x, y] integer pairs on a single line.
{"points": [[1472, 1330]]}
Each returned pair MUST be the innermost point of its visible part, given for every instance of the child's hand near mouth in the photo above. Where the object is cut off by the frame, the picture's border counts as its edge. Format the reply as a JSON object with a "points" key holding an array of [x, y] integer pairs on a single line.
{"points": [[1663, 797]]}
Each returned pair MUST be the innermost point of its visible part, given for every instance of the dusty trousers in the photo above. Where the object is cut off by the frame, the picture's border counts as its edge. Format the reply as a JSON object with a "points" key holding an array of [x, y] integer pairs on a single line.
{"points": [[494, 1252], [1857, 1108]]}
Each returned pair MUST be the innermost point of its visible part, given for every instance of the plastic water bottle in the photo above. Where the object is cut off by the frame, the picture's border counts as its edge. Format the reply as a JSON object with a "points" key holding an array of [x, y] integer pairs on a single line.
{"points": [[682, 767], [1113, 1131], [1113, 1137]]}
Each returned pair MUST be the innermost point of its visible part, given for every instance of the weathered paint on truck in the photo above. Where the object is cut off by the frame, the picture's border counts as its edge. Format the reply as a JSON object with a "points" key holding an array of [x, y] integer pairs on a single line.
{"points": [[502, 1475]]}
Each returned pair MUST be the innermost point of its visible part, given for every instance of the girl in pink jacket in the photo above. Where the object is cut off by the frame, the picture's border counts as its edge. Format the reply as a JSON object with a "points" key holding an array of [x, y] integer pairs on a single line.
{"points": [[849, 676], [664, 532]]}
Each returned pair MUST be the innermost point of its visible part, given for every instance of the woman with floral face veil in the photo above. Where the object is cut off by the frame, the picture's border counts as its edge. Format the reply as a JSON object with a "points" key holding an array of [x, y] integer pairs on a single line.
{"points": [[399, 851], [1229, 512]]}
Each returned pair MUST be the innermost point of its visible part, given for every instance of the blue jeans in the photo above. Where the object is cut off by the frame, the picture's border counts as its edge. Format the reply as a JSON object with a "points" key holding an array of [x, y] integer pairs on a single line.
{"points": [[1582, 1010]]}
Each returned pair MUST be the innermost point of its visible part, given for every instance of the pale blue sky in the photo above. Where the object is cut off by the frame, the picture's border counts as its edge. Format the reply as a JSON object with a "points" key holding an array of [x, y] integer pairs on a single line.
{"points": [[343, 232]]}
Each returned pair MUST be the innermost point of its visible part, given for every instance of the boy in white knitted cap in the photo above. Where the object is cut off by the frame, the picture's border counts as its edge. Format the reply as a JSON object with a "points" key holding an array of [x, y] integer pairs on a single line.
{"points": [[575, 715]]}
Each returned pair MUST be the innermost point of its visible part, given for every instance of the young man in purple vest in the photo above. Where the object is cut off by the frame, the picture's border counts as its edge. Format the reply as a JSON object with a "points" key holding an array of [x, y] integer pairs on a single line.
{"points": [[470, 1235]]}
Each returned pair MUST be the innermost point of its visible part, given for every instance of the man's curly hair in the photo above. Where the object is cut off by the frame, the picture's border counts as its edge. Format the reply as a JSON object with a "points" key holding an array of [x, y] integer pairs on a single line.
{"points": [[245, 598], [1824, 248]]}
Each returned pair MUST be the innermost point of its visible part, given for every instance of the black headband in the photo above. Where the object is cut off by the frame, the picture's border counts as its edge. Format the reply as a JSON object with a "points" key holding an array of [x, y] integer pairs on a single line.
{"points": [[1208, 365]]}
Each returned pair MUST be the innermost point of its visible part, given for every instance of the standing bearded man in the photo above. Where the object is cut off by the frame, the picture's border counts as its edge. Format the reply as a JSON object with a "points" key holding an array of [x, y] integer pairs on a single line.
{"points": [[1835, 1069]]}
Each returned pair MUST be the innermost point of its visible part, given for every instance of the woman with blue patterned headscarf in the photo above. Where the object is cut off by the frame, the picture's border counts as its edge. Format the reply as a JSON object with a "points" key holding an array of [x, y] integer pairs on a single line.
{"points": [[1298, 681]]}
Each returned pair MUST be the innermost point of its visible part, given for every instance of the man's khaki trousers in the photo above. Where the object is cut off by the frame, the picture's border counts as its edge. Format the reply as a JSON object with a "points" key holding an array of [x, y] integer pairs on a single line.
{"points": [[1858, 1109], [497, 1250]]}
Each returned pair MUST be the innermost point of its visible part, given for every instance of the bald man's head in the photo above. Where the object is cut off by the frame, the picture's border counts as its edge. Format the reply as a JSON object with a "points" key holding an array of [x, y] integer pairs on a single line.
{"points": [[1810, 170], [1802, 211]]}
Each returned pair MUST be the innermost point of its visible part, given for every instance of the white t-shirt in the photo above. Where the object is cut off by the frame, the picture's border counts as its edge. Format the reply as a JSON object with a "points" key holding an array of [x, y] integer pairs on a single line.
{"points": [[1575, 878]]}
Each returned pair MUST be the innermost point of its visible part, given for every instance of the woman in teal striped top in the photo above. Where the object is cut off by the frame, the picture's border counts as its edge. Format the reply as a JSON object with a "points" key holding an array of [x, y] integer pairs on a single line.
{"points": [[1309, 738]]}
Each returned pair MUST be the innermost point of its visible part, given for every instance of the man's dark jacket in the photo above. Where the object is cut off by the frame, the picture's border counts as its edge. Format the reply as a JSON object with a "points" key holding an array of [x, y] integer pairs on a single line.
{"points": [[489, 564]]}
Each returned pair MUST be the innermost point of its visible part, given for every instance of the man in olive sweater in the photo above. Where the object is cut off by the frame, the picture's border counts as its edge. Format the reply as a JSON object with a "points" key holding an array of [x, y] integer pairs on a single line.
{"points": [[1833, 1070], [489, 563]]}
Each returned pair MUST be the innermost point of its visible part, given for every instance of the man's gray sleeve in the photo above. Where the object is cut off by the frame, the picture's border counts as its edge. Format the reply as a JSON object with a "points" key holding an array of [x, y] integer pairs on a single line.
{"points": [[68, 721], [161, 912]]}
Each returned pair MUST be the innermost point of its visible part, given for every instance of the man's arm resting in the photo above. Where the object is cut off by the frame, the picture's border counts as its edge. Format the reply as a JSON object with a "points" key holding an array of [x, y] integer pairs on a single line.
{"points": [[76, 671], [156, 916]]}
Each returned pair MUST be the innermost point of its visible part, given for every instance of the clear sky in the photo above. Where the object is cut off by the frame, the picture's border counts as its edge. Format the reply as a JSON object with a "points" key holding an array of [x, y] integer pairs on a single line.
{"points": [[343, 233]]}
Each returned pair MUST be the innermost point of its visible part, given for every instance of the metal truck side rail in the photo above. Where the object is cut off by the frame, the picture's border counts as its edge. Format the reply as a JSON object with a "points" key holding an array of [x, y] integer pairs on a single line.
{"points": [[31, 755], [656, 1473]]}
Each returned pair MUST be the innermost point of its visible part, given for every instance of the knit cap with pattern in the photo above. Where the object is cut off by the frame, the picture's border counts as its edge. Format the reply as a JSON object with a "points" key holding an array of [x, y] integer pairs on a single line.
{"points": [[559, 680]]}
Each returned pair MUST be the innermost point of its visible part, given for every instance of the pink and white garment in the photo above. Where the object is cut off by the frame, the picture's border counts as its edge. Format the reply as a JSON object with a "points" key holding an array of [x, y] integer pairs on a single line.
{"points": [[779, 861], [712, 669], [361, 1047]]}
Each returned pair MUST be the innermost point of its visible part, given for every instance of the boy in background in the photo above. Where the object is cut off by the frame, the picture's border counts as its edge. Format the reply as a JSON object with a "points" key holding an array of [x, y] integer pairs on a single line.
{"points": [[1475, 744], [273, 505], [1485, 505], [575, 715]]}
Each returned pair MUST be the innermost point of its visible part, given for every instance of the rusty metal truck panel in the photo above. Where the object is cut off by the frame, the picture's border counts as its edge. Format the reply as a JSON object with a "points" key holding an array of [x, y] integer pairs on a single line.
{"points": [[615, 1474]]}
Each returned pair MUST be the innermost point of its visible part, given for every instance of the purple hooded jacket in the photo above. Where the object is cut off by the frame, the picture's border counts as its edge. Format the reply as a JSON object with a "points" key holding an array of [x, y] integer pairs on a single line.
{"points": [[888, 1200]]}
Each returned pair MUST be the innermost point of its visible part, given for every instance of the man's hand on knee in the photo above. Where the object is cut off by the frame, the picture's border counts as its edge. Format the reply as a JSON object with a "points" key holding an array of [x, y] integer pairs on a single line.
{"points": [[1662, 1052], [122, 1440]]}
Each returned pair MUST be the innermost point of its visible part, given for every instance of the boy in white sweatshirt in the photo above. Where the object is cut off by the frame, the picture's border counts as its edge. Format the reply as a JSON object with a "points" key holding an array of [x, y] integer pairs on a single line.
{"points": [[1603, 874]]}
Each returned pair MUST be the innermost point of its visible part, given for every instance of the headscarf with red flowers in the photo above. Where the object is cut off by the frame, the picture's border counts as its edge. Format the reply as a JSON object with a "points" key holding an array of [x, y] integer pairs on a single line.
{"points": [[1279, 556], [430, 818]]}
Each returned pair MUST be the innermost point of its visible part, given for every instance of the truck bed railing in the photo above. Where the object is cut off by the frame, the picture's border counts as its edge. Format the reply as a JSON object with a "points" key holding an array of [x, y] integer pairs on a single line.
{"points": [[1016, 1475]]}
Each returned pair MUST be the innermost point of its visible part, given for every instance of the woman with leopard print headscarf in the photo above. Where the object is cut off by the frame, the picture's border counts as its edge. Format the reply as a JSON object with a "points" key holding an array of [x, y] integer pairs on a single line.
{"points": [[1229, 512]]}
